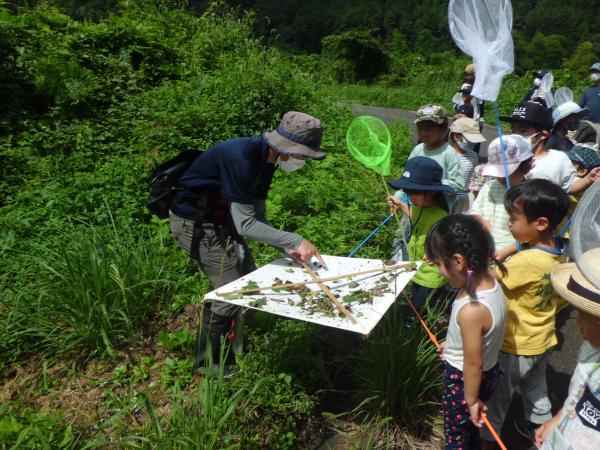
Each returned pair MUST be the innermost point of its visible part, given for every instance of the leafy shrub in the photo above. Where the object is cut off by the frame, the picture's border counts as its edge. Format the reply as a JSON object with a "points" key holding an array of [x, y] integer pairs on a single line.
{"points": [[30, 429], [355, 56], [288, 357], [581, 60], [209, 416]]}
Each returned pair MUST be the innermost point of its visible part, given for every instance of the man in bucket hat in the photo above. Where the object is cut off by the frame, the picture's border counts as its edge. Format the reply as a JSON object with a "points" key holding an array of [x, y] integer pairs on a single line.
{"points": [[222, 201]]}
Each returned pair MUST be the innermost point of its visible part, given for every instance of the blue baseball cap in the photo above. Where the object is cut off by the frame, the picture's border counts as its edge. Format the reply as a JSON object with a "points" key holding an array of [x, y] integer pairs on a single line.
{"points": [[421, 174]]}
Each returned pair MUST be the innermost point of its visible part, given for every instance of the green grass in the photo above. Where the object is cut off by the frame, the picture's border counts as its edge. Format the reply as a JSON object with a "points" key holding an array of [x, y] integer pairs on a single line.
{"points": [[210, 417], [399, 370], [94, 291]]}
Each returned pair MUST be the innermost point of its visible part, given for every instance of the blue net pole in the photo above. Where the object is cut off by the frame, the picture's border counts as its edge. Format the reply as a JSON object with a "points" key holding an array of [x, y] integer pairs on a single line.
{"points": [[370, 236], [566, 227], [502, 147]]}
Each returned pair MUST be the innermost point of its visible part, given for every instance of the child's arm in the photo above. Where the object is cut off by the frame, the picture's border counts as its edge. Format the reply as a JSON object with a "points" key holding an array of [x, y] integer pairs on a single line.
{"points": [[396, 204], [544, 430], [581, 184], [472, 319], [505, 252]]}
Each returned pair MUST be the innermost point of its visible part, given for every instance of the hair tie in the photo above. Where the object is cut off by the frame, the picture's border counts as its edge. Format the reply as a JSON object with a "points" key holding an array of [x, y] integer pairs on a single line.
{"points": [[470, 272]]}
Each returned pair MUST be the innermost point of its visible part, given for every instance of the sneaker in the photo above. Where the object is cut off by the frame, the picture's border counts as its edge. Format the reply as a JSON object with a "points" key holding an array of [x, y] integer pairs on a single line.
{"points": [[526, 429]]}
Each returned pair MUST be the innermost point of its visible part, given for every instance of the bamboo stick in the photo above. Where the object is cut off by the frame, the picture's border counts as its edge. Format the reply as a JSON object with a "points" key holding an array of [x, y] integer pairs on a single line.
{"points": [[302, 283], [328, 293]]}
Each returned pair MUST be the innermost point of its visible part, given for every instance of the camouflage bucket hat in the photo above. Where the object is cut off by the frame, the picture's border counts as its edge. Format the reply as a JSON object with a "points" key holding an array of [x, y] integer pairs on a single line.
{"points": [[431, 113]]}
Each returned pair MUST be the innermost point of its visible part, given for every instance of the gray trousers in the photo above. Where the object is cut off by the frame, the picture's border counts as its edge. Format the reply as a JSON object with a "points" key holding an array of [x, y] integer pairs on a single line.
{"points": [[529, 374], [221, 258]]}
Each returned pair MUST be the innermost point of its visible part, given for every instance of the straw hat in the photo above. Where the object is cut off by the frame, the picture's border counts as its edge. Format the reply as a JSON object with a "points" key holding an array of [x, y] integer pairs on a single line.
{"points": [[570, 284]]}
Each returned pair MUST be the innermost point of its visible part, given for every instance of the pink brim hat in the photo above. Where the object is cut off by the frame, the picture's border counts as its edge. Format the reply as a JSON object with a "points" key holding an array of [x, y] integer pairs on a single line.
{"points": [[497, 171]]}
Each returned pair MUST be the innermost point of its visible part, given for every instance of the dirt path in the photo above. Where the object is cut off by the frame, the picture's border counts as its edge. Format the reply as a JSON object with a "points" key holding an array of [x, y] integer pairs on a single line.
{"points": [[564, 357]]}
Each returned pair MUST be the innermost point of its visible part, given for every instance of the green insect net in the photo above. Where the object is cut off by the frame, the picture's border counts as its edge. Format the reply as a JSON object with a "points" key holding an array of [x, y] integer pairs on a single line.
{"points": [[370, 142]]}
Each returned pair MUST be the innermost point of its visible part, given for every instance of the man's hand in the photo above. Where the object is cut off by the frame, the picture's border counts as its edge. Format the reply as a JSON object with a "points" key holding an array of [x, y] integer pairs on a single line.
{"points": [[594, 174], [305, 251]]}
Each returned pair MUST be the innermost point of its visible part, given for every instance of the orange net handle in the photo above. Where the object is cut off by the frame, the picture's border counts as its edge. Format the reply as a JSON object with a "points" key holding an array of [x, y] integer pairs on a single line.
{"points": [[429, 333], [491, 428]]}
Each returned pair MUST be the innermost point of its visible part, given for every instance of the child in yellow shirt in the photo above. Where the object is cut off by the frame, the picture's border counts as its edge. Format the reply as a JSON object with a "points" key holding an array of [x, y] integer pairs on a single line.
{"points": [[535, 208]]}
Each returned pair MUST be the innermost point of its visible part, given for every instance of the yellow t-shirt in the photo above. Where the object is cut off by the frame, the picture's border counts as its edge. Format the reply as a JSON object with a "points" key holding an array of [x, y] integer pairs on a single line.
{"points": [[531, 302]]}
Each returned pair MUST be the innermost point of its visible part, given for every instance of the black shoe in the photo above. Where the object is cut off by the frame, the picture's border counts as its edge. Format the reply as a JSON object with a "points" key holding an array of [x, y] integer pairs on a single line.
{"points": [[212, 332], [526, 429]]}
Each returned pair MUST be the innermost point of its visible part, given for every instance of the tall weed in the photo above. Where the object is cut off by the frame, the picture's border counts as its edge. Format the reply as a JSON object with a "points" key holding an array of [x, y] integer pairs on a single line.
{"points": [[399, 370], [97, 288], [208, 418]]}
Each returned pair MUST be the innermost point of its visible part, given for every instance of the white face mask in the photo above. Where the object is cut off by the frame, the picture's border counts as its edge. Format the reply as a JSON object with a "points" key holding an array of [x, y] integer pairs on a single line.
{"points": [[537, 82], [291, 165], [466, 145], [531, 140], [595, 76]]}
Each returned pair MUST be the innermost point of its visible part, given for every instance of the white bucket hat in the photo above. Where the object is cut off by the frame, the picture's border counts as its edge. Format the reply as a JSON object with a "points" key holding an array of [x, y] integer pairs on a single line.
{"points": [[517, 151], [566, 109]]}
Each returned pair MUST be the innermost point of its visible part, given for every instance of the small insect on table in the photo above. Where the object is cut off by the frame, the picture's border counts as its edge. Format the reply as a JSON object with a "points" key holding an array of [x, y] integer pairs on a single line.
{"points": [[366, 288]]}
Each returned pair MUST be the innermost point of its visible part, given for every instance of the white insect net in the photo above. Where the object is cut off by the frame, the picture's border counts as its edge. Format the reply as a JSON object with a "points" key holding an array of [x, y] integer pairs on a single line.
{"points": [[585, 234], [482, 29]]}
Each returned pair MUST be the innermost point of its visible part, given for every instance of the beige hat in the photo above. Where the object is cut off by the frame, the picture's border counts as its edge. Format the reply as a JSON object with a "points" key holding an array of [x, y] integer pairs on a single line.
{"points": [[469, 128], [570, 284], [298, 134]]}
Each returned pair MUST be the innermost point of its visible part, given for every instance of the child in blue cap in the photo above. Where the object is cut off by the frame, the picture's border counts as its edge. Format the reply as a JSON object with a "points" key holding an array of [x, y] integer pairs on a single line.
{"points": [[421, 181]]}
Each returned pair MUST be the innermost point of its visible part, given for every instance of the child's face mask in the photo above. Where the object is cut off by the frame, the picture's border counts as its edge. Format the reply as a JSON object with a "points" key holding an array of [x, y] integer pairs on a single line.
{"points": [[595, 76], [466, 145], [537, 82], [291, 164], [532, 140]]}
